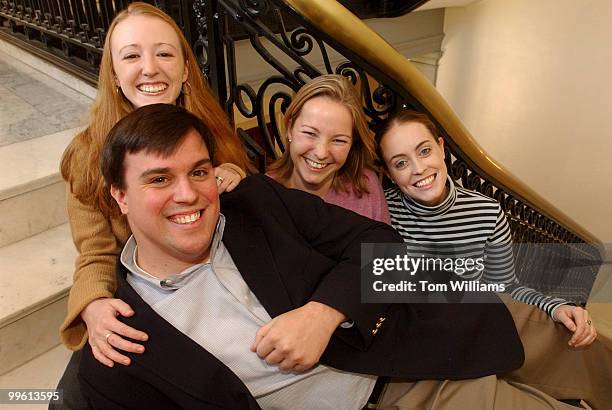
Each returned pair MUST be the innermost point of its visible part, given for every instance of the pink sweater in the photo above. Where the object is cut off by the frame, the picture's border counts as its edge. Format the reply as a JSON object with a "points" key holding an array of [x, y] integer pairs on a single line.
{"points": [[372, 205]]}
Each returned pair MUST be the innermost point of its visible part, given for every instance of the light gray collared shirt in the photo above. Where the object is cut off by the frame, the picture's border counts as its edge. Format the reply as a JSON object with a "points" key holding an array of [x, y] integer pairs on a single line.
{"points": [[212, 304]]}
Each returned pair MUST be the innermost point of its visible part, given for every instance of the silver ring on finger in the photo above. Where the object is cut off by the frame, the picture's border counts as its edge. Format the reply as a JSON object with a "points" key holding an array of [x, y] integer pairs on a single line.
{"points": [[106, 336], [219, 179], [588, 322]]}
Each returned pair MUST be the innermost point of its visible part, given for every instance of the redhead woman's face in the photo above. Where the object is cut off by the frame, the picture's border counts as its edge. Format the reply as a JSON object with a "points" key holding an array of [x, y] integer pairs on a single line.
{"points": [[415, 162], [321, 138], [148, 62]]}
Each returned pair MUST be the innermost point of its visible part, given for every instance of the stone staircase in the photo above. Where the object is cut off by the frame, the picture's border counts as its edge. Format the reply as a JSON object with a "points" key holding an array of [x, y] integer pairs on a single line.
{"points": [[36, 250]]}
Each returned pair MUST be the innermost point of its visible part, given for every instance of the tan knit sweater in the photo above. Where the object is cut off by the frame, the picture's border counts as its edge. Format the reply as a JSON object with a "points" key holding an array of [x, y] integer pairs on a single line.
{"points": [[98, 241]]}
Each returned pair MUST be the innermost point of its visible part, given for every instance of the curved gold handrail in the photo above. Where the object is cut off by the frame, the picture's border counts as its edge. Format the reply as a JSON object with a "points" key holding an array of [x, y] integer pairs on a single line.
{"points": [[344, 27]]}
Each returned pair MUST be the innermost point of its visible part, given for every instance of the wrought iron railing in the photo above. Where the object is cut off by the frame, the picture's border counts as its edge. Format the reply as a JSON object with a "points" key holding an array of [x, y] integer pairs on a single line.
{"points": [[71, 33], [296, 38], [553, 253]]}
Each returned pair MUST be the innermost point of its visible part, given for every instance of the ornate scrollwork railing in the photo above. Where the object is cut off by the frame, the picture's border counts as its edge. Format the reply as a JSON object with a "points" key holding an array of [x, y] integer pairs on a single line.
{"points": [[71, 33], [298, 40], [304, 56], [324, 29]]}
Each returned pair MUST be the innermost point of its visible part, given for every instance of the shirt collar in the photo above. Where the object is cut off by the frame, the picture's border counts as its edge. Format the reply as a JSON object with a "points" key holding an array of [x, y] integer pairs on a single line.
{"points": [[177, 280]]}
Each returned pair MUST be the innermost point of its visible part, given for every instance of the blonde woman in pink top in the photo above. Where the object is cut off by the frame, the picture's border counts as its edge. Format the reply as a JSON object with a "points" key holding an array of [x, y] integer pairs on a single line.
{"points": [[329, 149]]}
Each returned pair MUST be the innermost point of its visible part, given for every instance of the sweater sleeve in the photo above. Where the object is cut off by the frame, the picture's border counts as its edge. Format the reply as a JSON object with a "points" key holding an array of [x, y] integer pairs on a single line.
{"points": [[500, 269], [94, 275]]}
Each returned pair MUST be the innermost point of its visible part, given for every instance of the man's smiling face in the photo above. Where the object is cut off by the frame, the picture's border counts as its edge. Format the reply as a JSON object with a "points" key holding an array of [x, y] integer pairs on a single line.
{"points": [[172, 205]]}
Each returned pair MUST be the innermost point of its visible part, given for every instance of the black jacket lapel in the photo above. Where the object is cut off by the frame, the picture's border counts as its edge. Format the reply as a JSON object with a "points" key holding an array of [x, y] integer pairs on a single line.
{"points": [[184, 365], [251, 252]]}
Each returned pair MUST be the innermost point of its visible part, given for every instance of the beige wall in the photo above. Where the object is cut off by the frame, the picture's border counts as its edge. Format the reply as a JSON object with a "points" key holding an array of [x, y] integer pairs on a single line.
{"points": [[531, 79]]}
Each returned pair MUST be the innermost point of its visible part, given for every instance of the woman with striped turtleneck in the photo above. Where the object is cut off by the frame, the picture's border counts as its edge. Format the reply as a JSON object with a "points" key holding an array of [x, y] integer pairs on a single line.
{"points": [[429, 210]]}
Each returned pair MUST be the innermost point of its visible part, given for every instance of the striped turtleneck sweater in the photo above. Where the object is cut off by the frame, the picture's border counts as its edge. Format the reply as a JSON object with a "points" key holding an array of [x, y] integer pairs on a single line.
{"points": [[470, 223]]}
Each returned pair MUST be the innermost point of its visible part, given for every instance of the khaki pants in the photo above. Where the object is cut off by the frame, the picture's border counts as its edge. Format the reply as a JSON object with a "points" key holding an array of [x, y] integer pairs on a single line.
{"points": [[485, 393], [557, 369], [552, 369]]}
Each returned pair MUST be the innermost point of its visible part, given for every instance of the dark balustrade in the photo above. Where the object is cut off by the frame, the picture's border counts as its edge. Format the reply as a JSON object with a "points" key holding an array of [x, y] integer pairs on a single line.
{"points": [[295, 51], [71, 33]]}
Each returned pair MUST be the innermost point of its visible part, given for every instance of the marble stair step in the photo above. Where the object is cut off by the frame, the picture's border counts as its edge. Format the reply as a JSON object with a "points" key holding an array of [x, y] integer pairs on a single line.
{"points": [[31, 188], [42, 372], [35, 277]]}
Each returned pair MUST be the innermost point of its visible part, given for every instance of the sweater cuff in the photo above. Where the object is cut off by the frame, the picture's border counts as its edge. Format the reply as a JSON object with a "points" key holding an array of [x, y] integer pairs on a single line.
{"points": [[73, 332], [552, 311]]}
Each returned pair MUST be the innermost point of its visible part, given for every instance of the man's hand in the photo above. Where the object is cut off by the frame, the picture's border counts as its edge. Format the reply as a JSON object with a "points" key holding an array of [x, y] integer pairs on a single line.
{"points": [[296, 340], [105, 331], [578, 321]]}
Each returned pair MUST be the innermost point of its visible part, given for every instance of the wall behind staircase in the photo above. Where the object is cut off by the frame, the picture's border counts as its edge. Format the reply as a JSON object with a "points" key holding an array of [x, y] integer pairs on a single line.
{"points": [[531, 81]]}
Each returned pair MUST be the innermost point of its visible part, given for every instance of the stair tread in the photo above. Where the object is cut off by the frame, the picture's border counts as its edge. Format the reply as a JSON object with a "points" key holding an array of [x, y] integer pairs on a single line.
{"points": [[42, 372], [35, 272], [33, 163]]}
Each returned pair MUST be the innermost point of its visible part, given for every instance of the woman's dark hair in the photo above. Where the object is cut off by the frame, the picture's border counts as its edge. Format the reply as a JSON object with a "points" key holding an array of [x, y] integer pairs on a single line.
{"points": [[399, 118]]}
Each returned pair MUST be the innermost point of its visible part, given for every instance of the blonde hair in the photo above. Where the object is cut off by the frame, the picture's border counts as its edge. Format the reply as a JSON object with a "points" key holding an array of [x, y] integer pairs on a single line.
{"points": [[362, 152], [80, 162]]}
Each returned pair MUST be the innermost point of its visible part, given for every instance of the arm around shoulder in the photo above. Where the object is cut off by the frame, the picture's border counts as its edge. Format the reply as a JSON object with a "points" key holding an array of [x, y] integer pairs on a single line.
{"points": [[98, 240]]}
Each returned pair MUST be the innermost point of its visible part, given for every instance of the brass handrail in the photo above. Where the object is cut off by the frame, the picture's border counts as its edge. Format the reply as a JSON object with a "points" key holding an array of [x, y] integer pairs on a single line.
{"points": [[345, 28]]}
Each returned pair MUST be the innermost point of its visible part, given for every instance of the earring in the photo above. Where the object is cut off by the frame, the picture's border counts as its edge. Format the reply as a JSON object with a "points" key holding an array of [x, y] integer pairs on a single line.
{"points": [[185, 87], [289, 140], [118, 90]]}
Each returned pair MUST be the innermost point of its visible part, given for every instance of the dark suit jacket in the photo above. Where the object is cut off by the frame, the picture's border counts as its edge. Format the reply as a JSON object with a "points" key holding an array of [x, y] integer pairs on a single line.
{"points": [[290, 248]]}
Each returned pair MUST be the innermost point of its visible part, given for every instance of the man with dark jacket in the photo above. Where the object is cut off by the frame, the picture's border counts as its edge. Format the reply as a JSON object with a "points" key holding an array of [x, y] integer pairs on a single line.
{"points": [[260, 305]]}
